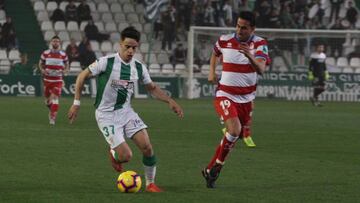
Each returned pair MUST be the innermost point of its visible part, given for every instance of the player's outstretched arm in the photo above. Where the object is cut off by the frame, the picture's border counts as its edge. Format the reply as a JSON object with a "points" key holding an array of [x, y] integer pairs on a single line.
{"points": [[212, 74], [161, 95], [74, 109]]}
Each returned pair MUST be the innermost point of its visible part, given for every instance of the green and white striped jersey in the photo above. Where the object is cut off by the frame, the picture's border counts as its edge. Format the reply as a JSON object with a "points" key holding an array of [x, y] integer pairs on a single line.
{"points": [[115, 81]]}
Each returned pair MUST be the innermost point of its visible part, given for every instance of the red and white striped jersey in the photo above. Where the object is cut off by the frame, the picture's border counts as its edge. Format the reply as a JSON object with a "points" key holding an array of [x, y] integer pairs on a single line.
{"points": [[238, 78], [55, 62]]}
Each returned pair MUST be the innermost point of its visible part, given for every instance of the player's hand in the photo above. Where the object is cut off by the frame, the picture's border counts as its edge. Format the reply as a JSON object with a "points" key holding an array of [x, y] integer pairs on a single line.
{"points": [[244, 49], [310, 76], [212, 77], [72, 114], [176, 108], [327, 75]]}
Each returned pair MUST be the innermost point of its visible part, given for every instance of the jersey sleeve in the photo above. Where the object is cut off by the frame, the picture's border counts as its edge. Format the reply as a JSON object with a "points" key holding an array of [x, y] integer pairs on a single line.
{"points": [[262, 51], [217, 48], [42, 57], [146, 79], [98, 66]]}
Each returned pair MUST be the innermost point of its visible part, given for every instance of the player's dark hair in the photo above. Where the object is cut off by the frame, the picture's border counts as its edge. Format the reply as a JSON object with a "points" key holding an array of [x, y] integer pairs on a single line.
{"points": [[130, 32], [55, 37], [249, 16]]}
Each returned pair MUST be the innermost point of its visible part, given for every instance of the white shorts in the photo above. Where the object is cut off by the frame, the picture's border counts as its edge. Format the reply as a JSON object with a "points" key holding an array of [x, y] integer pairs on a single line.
{"points": [[115, 124]]}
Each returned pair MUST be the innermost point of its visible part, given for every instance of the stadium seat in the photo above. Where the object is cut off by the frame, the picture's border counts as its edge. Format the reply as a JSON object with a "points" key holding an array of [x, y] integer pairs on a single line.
{"points": [[196, 68], [111, 1], [39, 6], [95, 45], [5, 62], [139, 8], [119, 17], [163, 58], [106, 46], [103, 7], [124, 1], [347, 70], [64, 35], [107, 17], [83, 25], [150, 58], [156, 46], [75, 68], [122, 26], [330, 61], [95, 16], [167, 68], [144, 47], [65, 44], [4, 69], [205, 69], [278, 63], [154, 68], [76, 35], [355, 63], [139, 56], [342, 62], [63, 5], [132, 18], [180, 68], [115, 8], [137, 26], [51, 6], [72, 26], [98, 54], [128, 8], [143, 39], [14, 55], [116, 46], [59, 26], [48, 35], [100, 26], [42, 16], [3, 54], [115, 36], [92, 6], [46, 25], [147, 28], [110, 27]]}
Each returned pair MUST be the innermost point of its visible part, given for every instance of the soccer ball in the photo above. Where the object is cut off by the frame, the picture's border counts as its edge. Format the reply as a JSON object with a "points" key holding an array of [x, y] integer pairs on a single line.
{"points": [[129, 182]]}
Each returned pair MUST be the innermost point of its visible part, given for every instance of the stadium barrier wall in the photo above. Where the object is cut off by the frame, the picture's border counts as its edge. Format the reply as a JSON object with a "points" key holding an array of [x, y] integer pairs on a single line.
{"points": [[290, 86]]}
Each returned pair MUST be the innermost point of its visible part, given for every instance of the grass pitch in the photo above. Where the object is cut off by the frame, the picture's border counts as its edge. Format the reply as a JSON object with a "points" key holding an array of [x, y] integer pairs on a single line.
{"points": [[303, 154]]}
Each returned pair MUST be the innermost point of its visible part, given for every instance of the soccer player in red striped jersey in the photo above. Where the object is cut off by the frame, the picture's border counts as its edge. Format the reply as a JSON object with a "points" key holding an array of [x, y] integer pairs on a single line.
{"points": [[244, 56], [53, 65]]}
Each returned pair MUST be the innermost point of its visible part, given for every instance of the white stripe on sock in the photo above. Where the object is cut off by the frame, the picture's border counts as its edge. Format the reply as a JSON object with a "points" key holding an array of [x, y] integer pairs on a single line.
{"points": [[230, 138], [150, 172]]}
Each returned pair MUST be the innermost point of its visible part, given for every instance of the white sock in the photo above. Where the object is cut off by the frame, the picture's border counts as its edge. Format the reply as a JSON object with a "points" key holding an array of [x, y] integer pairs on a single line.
{"points": [[150, 172]]}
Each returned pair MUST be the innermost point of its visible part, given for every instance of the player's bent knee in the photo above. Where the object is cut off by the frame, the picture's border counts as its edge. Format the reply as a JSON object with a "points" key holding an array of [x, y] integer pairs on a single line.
{"points": [[126, 157], [147, 149], [235, 132]]}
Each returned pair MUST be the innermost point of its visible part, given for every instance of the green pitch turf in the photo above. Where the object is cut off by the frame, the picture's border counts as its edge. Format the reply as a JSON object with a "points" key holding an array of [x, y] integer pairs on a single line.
{"points": [[303, 154]]}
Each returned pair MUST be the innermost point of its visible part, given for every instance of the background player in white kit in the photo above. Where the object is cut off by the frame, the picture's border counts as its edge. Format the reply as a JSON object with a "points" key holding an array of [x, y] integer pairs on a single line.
{"points": [[116, 75]]}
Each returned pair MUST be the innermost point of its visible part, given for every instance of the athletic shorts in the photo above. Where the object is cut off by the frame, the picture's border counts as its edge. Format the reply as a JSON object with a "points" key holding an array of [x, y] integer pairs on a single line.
{"points": [[115, 125], [226, 109], [52, 88]]}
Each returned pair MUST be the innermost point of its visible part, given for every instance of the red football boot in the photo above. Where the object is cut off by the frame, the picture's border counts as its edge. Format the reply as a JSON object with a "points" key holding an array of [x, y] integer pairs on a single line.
{"points": [[153, 188]]}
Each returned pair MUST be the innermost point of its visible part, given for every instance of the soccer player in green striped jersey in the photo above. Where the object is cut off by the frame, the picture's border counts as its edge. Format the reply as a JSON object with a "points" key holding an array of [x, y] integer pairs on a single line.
{"points": [[116, 75]]}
